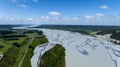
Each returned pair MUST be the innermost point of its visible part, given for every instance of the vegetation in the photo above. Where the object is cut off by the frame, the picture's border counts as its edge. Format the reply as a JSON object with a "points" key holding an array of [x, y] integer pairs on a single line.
{"points": [[22, 50], [3, 32], [37, 41], [13, 44], [13, 55], [83, 29], [4, 46], [9, 57], [8, 26], [116, 35], [55, 57], [26, 61], [106, 32]]}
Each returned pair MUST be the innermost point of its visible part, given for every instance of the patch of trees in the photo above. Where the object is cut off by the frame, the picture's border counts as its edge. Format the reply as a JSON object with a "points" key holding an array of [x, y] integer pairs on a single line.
{"points": [[115, 36], [16, 44], [80, 31], [9, 39], [13, 36], [1, 46], [30, 31], [34, 31], [40, 32], [3, 32], [106, 32]]}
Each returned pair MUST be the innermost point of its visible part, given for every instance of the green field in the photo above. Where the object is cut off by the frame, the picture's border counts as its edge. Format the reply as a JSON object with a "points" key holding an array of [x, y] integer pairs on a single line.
{"points": [[13, 44], [55, 57], [26, 61], [10, 57], [4, 46], [13, 53]]}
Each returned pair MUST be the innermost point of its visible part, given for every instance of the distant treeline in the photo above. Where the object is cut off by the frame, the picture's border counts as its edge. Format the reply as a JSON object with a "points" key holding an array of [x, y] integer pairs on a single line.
{"points": [[106, 32], [33, 31], [83, 27], [13, 36], [9, 26], [3, 32]]}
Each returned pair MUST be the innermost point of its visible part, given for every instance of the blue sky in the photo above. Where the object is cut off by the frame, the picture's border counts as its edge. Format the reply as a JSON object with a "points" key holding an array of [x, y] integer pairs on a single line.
{"points": [[77, 12]]}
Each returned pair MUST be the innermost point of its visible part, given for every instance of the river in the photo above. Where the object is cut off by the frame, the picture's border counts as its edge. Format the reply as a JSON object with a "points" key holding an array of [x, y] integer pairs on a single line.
{"points": [[82, 50]]}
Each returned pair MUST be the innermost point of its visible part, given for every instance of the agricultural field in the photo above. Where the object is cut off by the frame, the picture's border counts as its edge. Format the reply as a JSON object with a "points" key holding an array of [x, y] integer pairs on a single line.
{"points": [[14, 43]]}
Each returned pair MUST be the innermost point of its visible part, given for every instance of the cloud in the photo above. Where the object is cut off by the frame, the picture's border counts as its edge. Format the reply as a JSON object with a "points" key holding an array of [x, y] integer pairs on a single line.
{"points": [[103, 7], [102, 19], [96, 19], [23, 6], [99, 14], [30, 19], [89, 17], [54, 13], [44, 17]]}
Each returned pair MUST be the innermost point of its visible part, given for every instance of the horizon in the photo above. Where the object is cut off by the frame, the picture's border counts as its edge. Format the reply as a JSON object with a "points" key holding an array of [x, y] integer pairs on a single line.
{"points": [[59, 25], [60, 12]]}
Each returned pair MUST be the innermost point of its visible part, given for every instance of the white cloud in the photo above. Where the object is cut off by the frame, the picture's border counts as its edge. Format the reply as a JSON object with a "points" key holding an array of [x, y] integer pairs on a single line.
{"points": [[104, 7], [99, 14], [89, 17], [97, 19], [23, 6], [54, 13], [44, 17], [30, 19]]}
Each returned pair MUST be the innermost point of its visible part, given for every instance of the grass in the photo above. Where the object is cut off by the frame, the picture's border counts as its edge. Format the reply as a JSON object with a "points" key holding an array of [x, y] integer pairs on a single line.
{"points": [[8, 43], [21, 52], [14, 55], [21, 39], [9, 57], [55, 57], [5, 45], [32, 34], [36, 42], [26, 61]]}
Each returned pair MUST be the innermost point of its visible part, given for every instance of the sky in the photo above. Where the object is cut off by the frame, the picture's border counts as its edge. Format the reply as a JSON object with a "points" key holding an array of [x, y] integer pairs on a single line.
{"points": [[72, 12]]}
